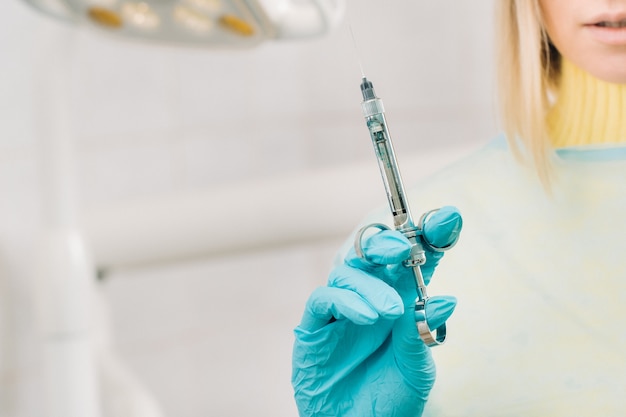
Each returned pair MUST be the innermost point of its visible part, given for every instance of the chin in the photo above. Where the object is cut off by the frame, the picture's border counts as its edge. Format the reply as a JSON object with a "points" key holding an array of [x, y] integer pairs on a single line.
{"points": [[610, 69], [614, 77]]}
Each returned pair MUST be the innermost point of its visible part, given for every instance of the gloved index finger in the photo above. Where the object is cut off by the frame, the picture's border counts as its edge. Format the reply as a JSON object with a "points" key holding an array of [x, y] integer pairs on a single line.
{"points": [[387, 247]]}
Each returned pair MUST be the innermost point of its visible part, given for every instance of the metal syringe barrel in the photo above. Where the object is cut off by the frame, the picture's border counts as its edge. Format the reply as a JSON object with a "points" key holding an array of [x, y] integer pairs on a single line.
{"points": [[374, 113]]}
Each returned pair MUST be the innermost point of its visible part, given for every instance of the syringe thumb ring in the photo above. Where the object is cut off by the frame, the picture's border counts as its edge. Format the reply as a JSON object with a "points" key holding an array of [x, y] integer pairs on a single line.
{"points": [[429, 338]]}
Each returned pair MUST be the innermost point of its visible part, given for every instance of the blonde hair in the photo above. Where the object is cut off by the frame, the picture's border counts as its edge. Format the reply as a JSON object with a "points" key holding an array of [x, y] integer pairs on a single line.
{"points": [[527, 69]]}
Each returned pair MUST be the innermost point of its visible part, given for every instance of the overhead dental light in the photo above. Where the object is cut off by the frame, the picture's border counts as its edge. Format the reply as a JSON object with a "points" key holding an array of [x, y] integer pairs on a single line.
{"points": [[209, 23]]}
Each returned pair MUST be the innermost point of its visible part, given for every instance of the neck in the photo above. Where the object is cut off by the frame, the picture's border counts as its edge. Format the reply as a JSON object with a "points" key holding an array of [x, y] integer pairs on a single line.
{"points": [[587, 110]]}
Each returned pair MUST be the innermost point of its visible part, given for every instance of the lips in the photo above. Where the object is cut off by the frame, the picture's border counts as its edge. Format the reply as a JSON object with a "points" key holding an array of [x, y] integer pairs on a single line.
{"points": [[608, 19], [616, 25], [609, 30]]}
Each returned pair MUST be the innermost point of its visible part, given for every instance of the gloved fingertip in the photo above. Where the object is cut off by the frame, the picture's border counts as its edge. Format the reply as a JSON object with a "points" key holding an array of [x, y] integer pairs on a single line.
{"points": [[354, 261], [311, 323], [393, 311], [443, 227], [363, 317], [438, 310]]}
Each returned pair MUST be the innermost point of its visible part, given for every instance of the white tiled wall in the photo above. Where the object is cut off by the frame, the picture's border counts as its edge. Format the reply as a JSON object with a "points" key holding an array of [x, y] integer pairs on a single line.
{"points": [[212, 337]]}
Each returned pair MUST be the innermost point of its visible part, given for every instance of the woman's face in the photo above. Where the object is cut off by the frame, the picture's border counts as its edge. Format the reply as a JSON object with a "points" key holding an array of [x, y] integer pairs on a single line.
{"points": [[590, 33]]}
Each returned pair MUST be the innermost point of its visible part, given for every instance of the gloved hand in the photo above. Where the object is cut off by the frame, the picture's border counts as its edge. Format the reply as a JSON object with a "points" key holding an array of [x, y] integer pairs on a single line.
{"points": [[357, 351]]}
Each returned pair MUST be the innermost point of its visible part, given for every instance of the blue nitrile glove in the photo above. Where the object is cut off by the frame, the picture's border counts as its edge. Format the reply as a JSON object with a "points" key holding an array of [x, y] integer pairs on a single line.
{"points": [[357, 351]]}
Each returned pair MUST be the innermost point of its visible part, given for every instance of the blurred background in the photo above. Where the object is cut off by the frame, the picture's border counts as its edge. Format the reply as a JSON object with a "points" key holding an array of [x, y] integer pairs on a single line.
{"points": [[268, 141]]}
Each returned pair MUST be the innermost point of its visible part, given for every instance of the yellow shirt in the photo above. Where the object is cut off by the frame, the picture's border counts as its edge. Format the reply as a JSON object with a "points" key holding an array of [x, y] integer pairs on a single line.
{"points": [[587, 110]]}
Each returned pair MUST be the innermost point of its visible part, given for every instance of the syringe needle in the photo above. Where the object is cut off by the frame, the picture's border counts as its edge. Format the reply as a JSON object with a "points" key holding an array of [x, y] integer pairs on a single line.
{"points": [[358, 56]]}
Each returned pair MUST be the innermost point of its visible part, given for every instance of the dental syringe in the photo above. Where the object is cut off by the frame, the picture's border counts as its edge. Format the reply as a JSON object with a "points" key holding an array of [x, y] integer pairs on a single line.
{"points": [[374, 113]]}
